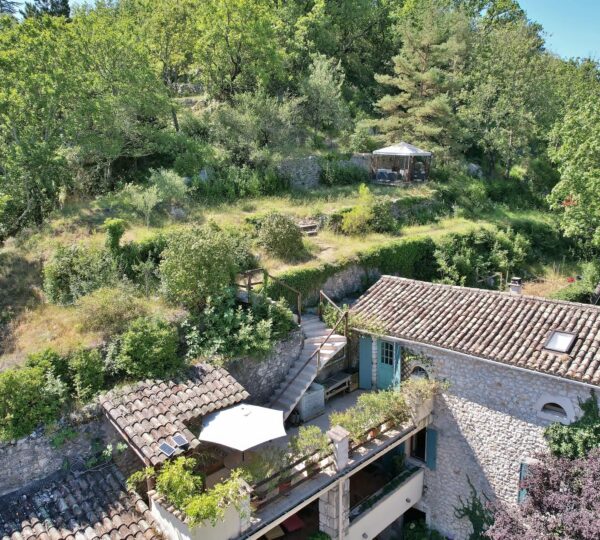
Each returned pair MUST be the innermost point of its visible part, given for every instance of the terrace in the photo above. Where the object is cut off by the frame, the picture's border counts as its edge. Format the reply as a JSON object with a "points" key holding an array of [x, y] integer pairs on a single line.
{"points": [[238, 486]]}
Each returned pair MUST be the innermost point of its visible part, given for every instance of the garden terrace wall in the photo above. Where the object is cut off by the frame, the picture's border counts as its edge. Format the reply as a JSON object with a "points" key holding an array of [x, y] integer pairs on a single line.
{"points": [[35, 457], [411, 258], [260, 377]]}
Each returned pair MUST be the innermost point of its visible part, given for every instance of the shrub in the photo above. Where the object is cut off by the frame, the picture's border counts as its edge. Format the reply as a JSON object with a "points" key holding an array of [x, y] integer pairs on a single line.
{"points": [[76, 271], [359, 220], [198, 263], [87, 373], [29, 397], [109, 309], [222, 329], [371, 410], [149, 349], [336, 173], [280, 236], [143, 200], [577, 439], [171, 187], [50, 362], [210, 506], [280, 315], [265, 464], [178, 482], [465, 259], [115, 228], [584, 289], [310, 440]]}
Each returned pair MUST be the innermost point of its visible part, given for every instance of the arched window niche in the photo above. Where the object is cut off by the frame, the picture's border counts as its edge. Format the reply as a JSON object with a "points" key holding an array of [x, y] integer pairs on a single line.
{"points": [[555, 408]]}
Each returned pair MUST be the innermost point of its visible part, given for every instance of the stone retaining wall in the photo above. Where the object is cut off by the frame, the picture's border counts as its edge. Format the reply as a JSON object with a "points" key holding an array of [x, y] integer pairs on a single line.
{"points": [[261, 377], [489, 421], [35, 457]]}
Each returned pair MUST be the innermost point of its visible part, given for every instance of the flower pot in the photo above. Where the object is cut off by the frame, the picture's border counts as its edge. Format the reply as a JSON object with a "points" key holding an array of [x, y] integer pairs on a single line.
{"points": [[284, 487], [373, 432]]}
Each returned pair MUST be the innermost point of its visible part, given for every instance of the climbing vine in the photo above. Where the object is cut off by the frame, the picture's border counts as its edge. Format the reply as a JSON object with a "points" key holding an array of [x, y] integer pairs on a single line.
{"points": [[476, 511]]}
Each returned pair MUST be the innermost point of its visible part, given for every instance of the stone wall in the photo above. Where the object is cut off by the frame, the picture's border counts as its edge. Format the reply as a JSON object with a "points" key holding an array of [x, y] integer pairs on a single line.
{"points": [[303, 172], [261, 377], [352, 279], [489, 421], [35, 457]]}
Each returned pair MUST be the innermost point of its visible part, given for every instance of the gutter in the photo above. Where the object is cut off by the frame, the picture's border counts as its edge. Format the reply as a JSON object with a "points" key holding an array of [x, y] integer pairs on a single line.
{"points": [[480, 359]]}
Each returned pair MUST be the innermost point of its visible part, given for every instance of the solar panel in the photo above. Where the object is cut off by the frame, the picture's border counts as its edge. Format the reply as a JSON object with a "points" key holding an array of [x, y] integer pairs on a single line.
{"points": [[167, 449], [180, 440]]}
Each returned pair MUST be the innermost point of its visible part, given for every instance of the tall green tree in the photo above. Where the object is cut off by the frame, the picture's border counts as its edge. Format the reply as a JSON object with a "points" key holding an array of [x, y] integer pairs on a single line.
{"points": [[8, 7], [575, 148], [167, 30], [426, 74], [35, 96], [58, 8], [237, 46], [506, 101], [324, 104]]}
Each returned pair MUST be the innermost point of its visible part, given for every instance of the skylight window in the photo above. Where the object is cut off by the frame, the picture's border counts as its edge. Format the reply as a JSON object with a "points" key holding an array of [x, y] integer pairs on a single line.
{"points": [[561, 342]]}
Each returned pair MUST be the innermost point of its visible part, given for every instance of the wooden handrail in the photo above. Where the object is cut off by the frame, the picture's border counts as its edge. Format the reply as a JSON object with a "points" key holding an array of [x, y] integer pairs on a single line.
{"points": [[249, 284], [309, 359], [323, 296]]}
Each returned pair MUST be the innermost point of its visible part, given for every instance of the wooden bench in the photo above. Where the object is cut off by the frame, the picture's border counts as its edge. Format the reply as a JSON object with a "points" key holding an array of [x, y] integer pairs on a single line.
{"points": [[336, 384]]}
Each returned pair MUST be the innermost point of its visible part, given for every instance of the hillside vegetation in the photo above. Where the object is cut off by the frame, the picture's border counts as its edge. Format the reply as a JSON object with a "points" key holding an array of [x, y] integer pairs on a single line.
{"points": [[141, 152]]}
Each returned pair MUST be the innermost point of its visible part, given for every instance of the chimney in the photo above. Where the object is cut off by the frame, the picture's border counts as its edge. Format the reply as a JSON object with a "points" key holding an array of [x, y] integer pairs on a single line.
{"points": [[516, 285]]}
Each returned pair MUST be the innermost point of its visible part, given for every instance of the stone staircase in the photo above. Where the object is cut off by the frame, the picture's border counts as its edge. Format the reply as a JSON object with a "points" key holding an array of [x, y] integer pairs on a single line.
{"points": [[304, 370], [309, 227]]}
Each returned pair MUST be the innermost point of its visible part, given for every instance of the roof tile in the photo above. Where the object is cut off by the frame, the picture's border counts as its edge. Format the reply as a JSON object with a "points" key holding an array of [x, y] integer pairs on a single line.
{"points": [[498, 326]]}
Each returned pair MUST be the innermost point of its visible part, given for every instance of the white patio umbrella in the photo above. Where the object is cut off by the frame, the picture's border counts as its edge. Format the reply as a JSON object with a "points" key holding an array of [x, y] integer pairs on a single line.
{"points": [[243, 426]]}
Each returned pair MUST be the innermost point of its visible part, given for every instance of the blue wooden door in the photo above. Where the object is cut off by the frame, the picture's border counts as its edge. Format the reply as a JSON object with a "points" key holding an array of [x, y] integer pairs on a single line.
{"points": [[385, 364], [388, 364], [365, 362]]}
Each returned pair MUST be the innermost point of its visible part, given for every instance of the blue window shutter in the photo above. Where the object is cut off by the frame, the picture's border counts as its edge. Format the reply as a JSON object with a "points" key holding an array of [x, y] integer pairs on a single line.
{"points": [[397, 364], [431, 448], [522, 474], [365, 362]]}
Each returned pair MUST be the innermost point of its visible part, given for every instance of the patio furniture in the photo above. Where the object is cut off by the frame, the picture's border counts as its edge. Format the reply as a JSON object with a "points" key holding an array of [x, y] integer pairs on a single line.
{"points": [[337, 383]]}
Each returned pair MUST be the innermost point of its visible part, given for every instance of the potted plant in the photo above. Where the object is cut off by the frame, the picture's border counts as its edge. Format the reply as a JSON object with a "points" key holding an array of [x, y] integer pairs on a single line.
{"points": [[419, 394], [312, 443]]}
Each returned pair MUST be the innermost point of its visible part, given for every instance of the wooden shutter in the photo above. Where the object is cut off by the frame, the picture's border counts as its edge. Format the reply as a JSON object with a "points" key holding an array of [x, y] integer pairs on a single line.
{"points": [[522, 474], [365, 362], [431, 448]]}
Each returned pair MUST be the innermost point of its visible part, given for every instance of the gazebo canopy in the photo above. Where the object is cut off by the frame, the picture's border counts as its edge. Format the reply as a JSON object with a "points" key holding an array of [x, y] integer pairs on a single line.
{"points": [[401, 149]]}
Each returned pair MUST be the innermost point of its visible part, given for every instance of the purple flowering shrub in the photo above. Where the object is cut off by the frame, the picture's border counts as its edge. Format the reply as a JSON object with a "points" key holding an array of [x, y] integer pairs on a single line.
{"points": [[563, 501]]}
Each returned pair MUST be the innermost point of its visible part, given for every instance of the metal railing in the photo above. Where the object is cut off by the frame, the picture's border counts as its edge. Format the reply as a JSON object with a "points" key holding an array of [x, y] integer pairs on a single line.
{"points": [[291, 475], [248, 284], [324, 302]]}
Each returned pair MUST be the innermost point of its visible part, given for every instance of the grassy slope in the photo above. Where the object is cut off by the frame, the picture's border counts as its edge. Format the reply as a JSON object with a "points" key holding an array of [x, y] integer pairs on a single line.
{"points": [[36, 325]]}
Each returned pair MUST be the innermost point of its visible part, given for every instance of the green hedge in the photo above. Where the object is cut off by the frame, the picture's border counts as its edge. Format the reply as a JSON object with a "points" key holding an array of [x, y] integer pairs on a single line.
{"points": [[411, 258]]}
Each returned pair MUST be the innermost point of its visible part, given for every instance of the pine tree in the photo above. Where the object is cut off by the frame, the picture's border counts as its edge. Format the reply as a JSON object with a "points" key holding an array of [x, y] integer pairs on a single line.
{"points": [[426, 72], [8, 7], [59, 8]]}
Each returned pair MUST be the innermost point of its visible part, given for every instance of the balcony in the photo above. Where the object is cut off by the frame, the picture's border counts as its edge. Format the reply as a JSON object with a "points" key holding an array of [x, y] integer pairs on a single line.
{"points": [[373, 514]]}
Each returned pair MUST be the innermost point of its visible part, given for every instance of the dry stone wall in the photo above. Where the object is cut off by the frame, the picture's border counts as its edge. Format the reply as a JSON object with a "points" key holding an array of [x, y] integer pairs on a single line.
{"points": [[37, 456], [488, 423], [261, 377]]}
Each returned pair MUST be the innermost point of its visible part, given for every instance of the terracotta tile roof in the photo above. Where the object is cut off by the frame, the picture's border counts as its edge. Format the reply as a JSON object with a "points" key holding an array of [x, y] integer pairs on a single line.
{"points": [[150, 412], [74, 506], [498, 326]]}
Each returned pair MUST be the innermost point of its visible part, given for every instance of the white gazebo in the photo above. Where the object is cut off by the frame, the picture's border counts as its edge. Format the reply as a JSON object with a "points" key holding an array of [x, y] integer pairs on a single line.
{"points": [[400, 163]]}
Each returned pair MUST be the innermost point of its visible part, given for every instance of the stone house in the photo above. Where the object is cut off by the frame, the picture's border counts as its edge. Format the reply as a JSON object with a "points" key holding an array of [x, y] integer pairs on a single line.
{"points": [[513, 364]]}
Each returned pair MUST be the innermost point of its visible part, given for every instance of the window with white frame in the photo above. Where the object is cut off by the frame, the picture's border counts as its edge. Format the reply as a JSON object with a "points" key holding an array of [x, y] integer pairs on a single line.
{"points": [[387, 353]]}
